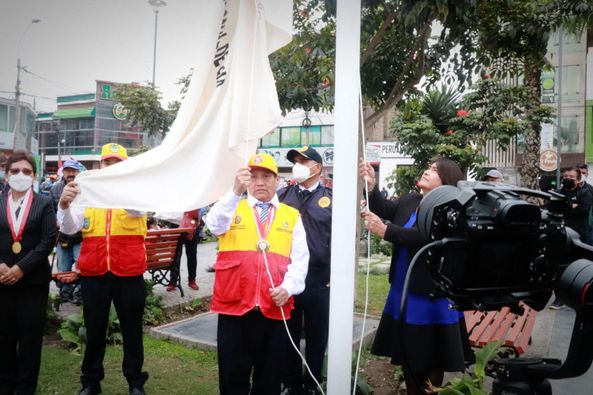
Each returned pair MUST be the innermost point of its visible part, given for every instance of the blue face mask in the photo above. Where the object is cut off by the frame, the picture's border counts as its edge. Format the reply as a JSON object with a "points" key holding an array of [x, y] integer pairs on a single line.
{"points": [[2, 174]]}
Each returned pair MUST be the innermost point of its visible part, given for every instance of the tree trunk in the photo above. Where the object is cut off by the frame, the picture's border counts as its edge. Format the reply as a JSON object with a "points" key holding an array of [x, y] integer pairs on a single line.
{"points": [[530, 167]]}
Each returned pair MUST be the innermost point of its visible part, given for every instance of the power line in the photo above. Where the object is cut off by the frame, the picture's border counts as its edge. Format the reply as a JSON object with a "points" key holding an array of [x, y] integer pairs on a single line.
{"points": [[53, 82], [31, 95]]}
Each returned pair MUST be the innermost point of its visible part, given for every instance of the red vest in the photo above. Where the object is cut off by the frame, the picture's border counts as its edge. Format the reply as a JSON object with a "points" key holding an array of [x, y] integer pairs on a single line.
{"points": [[112, 241], [241, 282]]}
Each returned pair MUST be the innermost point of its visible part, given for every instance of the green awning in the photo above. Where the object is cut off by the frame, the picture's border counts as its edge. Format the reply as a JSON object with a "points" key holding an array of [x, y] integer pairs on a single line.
{"points": [[71, 113]]}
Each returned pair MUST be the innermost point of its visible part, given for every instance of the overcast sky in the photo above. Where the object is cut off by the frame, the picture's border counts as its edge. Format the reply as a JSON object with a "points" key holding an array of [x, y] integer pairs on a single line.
{"points": [[80, 41]]}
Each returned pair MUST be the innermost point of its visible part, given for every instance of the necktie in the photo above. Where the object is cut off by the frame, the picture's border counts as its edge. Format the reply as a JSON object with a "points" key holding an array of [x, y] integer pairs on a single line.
{"points": [[305, 192], [263, 212], [17, 212]]}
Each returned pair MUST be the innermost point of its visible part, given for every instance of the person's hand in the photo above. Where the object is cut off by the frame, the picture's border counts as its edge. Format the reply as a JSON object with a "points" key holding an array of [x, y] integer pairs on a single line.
{"points": [[242, 180], [367, 174], [68, 194], [11, 276], [279, 296], [374, 224], [3, 268]]}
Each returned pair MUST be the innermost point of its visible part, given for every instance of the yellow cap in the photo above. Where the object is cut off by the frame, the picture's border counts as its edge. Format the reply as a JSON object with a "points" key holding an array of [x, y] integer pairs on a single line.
{"points": [[263, 161], [112, 150]]}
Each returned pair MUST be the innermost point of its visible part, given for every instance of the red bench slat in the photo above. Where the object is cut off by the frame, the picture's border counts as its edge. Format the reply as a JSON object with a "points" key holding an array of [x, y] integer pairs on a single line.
{"points": [[514, 330]]}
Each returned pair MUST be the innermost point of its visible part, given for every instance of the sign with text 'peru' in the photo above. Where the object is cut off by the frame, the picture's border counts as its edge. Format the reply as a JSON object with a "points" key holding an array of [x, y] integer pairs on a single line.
{"points": [[230, 104]]}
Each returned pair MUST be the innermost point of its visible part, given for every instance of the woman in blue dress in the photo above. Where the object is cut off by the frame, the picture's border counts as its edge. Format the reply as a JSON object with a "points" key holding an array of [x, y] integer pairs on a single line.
{"points": [[435, 336]]}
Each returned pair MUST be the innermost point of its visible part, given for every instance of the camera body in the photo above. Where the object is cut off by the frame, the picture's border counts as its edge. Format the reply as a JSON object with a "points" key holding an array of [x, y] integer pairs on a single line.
{"points": [[496, 247]]}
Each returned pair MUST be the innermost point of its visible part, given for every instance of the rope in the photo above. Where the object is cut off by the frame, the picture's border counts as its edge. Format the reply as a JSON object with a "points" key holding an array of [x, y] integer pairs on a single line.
{"points": [[284, 316], [368, 268]]}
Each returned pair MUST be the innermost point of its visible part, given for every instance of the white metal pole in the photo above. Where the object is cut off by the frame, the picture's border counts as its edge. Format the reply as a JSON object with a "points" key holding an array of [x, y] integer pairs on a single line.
{"points": [[559, 108], [344, 222]]}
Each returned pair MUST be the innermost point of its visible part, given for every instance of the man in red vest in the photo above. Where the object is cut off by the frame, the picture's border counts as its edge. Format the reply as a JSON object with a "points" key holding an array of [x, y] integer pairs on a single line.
{"points": [[112, 262], [262, 262]]}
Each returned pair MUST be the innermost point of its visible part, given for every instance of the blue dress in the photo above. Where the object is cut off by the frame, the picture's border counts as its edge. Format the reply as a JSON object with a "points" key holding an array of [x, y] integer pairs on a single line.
{"points": [[434, 335]]}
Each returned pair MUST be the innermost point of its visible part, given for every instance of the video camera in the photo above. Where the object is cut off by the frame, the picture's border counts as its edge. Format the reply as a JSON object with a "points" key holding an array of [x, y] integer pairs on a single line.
{"points": [[496, 249]]}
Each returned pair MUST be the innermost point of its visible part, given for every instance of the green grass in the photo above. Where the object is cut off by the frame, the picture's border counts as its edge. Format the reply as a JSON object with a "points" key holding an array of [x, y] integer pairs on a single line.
{"points": [[378, 290], [173, 369]]}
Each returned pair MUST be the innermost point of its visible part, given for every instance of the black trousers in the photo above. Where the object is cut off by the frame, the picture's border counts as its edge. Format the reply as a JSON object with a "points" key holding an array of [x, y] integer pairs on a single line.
{"points": [[191, 251], [311, 308], [22, 318], [128, 295], [250, 345]]}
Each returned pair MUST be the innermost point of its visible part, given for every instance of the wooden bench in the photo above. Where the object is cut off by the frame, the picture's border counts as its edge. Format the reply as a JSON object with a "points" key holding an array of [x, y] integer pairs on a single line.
{"points": [[513, 330], [163, 254]]}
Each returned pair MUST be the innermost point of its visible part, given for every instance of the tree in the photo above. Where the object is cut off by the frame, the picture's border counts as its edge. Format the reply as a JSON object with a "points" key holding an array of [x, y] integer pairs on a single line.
{"points": [[439, 124], [143, 103], [397, 51], [512, 36]]}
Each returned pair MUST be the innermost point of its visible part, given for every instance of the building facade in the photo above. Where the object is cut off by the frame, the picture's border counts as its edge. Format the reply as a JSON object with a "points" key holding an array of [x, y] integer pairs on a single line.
{"points": [[82, 124], [26, 137]]}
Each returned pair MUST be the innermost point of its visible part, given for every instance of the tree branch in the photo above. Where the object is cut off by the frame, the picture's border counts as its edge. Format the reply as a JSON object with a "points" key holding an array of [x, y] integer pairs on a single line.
{"points": [[376, 40], [400, 88]]}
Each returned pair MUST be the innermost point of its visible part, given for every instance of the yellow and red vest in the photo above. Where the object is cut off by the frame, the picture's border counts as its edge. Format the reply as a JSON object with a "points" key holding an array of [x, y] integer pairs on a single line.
{"points": [[241, 282], [112, 241]]}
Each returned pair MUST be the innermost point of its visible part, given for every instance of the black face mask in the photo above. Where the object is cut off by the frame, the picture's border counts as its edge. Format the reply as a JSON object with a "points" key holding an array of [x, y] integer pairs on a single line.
{"points": [[568, 184]]}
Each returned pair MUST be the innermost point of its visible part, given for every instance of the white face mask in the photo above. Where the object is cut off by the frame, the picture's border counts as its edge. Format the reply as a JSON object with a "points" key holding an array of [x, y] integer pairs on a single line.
{"points": [[301, 173], [20, 182]]}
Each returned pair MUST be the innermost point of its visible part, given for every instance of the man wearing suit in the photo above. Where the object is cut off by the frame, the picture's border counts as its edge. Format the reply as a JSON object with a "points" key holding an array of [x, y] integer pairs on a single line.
{"points": [[27, 236]]}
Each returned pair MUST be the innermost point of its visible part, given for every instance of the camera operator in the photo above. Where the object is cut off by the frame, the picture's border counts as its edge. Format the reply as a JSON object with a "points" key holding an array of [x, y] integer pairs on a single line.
{"points": [[577, 216], [584, 184], [580, 199]]}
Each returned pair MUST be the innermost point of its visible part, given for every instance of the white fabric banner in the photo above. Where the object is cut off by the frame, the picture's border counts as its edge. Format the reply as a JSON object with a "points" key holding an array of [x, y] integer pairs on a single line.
{"points": [[230, 104]]}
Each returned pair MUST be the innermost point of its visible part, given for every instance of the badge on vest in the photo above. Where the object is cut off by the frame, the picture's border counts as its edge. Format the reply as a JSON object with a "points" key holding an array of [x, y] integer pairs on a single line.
{"points": [[87, 223], [324, 202], [238, 219]]}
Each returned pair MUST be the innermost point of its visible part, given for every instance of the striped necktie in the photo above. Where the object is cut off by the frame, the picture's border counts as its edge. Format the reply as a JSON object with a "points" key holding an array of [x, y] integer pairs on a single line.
{"points": [[264, 210]]}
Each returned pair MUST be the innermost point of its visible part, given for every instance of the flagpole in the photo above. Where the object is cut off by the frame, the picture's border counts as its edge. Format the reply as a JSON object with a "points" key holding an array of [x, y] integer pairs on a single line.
{"points": [[344, 221]]}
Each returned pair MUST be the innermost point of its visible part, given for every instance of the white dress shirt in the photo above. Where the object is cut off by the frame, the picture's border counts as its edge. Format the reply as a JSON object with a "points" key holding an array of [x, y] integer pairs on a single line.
{"points": [[219, 220]]}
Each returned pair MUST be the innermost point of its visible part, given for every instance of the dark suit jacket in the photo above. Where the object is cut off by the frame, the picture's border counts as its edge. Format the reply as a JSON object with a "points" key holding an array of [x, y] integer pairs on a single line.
{"points": [[398, 212], [37, 243]]}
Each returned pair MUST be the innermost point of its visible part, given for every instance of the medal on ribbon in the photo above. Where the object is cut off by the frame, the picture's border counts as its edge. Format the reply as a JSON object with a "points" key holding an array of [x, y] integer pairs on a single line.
{"points": [[263, 228], [17, 234]]}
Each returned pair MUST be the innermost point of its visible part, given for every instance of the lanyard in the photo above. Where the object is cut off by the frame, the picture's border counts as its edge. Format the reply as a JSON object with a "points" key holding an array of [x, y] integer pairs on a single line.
{"points": [[17, 235]]}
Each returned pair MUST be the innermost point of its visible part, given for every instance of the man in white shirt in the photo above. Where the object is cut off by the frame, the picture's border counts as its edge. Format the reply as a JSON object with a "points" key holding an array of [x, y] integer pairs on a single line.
{"points": [[262, 262]]}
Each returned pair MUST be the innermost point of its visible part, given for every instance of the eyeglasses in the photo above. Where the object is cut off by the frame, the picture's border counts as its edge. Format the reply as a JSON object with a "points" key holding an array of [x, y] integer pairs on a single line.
{"points": [[15, 171]]}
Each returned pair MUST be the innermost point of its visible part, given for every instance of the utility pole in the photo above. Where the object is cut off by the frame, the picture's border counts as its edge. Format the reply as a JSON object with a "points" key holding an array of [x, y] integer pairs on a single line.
{"points": [[17, 106], [17, 95]]}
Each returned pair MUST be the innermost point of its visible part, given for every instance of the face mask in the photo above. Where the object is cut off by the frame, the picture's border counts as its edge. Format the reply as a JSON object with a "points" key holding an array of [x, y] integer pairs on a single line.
{"points": [[300, 173], [568, 183], [20, 182]]}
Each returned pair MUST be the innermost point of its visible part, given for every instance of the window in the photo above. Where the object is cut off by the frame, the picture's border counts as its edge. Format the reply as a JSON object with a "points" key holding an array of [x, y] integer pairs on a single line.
{"points": [[311, 135], [291, 137], [571, 83], [11, 118], [87, 123], [3, 118], [327, 135], [272, 139], [569, 138]]}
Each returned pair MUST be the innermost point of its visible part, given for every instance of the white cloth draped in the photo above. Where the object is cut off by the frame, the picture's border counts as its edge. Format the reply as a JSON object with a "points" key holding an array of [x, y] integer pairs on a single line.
{"points": [[230, 104]]}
